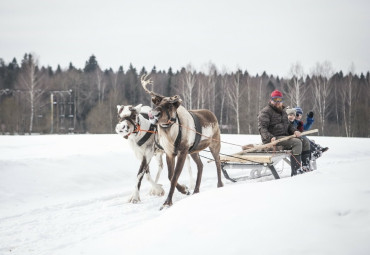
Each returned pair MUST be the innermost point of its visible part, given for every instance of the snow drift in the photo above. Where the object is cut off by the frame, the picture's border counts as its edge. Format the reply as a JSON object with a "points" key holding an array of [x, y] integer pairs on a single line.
{"points": [[68, 195]]}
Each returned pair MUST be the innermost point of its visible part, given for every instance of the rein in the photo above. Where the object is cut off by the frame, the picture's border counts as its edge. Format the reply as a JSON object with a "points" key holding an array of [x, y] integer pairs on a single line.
{"points": [[144, 130], [137, 129], [176, 121], [206, 135]]}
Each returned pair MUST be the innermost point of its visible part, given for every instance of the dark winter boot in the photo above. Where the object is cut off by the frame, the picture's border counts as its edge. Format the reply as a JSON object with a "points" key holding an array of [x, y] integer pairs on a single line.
{"points": [[324, 149], [316, 151], [306, 161], [295, 164]]}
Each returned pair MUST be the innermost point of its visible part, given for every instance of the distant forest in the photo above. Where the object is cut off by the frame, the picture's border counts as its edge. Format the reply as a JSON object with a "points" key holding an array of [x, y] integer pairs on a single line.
{"points": [[36, 99]]}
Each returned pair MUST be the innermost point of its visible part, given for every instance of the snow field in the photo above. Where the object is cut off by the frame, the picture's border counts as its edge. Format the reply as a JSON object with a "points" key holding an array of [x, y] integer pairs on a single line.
{"points": [[68, 195]]}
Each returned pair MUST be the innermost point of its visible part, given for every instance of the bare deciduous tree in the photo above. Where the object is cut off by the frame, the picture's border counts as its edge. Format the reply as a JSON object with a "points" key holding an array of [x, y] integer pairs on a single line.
{"points": [[187, 83], [224, 83], [294, 91], [211, 91], [321, 75], [233, 92], [249, 101], [202, 91], [346, 99], [30, 81]]}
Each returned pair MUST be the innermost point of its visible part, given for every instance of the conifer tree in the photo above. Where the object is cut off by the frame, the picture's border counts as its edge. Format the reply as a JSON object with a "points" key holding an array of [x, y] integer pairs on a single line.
{"points": [[91, 65]]}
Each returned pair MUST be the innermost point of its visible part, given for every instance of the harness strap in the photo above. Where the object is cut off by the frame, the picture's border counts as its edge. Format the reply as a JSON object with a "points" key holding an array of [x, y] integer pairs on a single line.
{"points": [[198, 133], [133, 123], [147, 135], [178, 138], [157, 144]]}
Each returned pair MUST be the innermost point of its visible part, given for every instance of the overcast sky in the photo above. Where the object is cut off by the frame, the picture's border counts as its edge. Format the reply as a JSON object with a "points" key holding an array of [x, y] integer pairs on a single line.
{"points": [[255, 36]]}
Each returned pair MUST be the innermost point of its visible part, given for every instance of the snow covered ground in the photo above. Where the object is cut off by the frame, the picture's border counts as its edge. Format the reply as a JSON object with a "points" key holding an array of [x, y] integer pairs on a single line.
{"points": [[68, 194]]}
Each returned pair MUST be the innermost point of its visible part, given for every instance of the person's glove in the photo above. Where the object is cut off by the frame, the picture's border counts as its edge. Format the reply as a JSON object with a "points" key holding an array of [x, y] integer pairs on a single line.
{"points": [[310, 114]]}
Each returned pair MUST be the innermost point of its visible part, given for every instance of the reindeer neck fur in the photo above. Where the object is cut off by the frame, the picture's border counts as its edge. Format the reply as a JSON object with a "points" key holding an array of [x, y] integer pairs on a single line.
{"points": [[167, 136], [144, 150]]}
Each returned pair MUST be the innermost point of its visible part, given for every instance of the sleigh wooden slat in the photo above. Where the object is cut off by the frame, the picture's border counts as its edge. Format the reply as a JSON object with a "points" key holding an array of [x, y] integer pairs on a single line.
{"points": [[258, 157], [248, 159], [254, 161]]}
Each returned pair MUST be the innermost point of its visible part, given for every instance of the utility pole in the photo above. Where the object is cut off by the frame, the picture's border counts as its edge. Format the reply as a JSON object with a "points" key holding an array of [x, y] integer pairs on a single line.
{"points": [[57, 94], [51, 112]]}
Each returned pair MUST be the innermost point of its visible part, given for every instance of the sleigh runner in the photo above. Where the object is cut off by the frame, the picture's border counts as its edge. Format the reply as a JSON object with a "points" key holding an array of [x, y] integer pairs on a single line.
{"points": [[261, 160]]}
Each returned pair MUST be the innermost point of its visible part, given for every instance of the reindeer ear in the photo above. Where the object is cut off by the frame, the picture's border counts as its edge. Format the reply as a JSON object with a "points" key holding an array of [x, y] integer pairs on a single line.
{"points": [[177, 101], [156, 100], [138, 108], [119, 107]]}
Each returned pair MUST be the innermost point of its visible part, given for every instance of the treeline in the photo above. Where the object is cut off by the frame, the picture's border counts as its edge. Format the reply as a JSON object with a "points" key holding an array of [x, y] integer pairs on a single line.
{"points": [[43, 100]]}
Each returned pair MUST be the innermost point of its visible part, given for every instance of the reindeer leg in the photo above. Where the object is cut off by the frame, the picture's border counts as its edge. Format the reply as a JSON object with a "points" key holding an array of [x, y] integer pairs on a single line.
{"points": [[179, 165], [215, 150], [191, 179], [199, 163], [171, 165], [135, 197], [156, 189], [160, 166]]}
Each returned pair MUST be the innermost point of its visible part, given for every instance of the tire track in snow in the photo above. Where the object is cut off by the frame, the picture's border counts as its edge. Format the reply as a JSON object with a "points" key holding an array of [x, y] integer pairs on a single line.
{"points": [[42, 230], [48, 229]]}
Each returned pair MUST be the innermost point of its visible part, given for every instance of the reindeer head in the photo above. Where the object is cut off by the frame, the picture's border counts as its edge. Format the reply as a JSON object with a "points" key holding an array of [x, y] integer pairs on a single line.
{"points": [[164, 114], [127, 119]]}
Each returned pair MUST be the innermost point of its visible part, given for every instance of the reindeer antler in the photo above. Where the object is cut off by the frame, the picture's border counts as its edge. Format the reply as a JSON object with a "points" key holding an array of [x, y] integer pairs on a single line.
{"points": [[145, 81]]}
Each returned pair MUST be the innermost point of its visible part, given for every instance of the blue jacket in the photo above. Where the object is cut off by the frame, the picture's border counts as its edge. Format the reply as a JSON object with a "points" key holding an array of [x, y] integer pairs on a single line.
{"points": [[298, 124], [309, 122]]}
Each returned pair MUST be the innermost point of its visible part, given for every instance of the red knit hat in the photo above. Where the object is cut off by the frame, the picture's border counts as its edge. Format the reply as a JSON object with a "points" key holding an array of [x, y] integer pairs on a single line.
{"points": [[276, 93]]}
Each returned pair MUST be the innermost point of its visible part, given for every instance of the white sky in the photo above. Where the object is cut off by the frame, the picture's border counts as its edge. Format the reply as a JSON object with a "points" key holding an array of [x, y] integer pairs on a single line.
{"points": [[253, 35]]}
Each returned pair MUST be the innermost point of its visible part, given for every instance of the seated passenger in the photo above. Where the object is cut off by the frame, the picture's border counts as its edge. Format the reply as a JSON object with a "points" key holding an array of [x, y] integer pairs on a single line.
{"points": [[316, 149], [273, 124]]}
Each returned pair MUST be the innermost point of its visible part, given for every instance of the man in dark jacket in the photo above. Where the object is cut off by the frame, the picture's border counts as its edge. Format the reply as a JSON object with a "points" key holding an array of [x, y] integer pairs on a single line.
{"points": [[273, 124]]}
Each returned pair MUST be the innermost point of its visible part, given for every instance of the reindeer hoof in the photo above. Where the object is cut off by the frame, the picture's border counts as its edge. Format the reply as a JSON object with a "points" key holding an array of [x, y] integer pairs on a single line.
{"points": [[135, 197], [186, 190], [134, 200], [166, 205], [156, 190]]}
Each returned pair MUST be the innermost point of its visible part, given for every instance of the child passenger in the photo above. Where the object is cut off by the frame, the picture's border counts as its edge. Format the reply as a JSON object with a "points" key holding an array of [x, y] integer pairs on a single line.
{"points": [[295, 116], [298, 120], [291, 112]]}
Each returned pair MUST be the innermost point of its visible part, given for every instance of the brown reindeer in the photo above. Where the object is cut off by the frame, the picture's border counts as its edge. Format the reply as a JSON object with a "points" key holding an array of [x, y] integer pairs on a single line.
{"points": [[181, 132]]}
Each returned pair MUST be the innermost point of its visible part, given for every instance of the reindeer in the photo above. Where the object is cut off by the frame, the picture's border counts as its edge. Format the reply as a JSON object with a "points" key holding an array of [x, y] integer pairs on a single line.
{"points": [[182, 132], [135, 126]]}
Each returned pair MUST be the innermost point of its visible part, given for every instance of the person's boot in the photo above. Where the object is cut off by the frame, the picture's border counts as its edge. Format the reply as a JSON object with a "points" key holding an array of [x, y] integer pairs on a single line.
{"points": [[306, 161], [295, 164], [324, 149], [317, 151]]}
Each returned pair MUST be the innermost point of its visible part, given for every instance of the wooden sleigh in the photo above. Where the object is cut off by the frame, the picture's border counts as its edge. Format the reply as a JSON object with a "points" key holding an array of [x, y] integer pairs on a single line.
{"points": [[259, 159]]}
